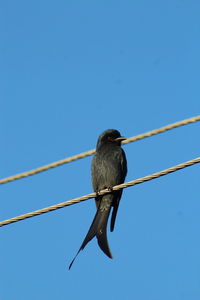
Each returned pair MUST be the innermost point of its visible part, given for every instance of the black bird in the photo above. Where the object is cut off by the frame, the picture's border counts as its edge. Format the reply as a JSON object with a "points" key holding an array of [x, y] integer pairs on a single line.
{"points": [[109, 168]]}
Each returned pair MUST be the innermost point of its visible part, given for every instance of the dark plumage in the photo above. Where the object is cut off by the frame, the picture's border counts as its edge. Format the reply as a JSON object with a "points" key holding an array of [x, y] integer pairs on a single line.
{"points": [[109, 168]]}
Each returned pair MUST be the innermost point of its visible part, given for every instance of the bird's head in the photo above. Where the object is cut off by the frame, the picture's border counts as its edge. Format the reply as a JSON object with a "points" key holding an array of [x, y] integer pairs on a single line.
{"points": [[110, 136]]}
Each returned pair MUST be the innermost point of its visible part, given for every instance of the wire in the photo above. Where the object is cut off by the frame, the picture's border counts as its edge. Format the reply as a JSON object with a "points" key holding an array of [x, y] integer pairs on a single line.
{"points": [[90, 152], [93, 195]]}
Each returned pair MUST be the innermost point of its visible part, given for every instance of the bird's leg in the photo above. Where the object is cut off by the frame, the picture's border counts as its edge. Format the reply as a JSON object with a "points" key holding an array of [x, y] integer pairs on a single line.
{"points": [[109, 188]]}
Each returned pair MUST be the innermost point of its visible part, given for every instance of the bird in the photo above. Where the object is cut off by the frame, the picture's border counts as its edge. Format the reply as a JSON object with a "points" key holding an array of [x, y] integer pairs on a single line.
{"points": [[108, 168]]}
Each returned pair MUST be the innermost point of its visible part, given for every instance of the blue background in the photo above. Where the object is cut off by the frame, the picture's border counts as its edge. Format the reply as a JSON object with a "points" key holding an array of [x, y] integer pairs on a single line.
{"points": [[69, 70]]}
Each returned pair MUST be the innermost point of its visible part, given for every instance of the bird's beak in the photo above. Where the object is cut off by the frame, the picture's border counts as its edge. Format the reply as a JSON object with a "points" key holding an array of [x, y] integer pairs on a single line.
{"points": [[121, 138]]}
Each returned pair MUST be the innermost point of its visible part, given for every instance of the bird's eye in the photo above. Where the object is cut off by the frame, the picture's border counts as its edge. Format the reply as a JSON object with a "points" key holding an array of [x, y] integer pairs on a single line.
{"points": [[109, 138]]}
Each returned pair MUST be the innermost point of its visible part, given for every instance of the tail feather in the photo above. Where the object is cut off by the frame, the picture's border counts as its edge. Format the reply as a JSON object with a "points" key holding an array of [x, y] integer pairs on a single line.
{"points": [[98, 229], [101, 233], [116, 201], [103, 243], [113, 217]]}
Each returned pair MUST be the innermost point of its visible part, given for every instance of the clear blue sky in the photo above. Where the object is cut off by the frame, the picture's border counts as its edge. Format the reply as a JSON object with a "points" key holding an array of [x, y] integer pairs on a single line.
{"points": [[69, 70]]}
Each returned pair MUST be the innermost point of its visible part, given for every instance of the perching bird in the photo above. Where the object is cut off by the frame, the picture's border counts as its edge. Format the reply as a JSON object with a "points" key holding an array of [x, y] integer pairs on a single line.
{"points": [[109, 168]]}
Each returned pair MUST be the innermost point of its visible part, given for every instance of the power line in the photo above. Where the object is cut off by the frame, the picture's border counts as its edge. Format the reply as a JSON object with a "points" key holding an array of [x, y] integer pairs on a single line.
{"points": [[93, 195], [90, 152]]}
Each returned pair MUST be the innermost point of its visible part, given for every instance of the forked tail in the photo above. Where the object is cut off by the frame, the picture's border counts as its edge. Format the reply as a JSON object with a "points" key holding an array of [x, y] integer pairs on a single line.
{"points": [[98, 228]]}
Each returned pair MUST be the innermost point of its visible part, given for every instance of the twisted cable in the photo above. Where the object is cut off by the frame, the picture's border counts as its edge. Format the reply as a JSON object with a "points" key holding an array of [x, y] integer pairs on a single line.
{"points": [[102, 192], [90, 152]]}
